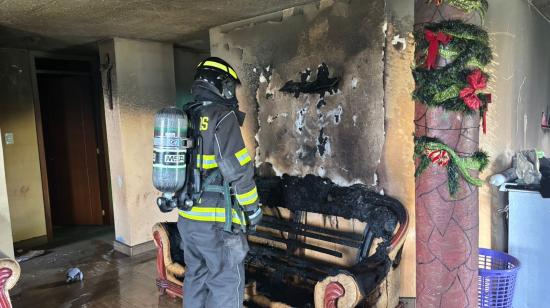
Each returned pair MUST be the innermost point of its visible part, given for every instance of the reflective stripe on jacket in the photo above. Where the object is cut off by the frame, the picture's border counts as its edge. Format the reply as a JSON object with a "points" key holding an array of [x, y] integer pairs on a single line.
{"points": [[223, 148], [211, 214]]}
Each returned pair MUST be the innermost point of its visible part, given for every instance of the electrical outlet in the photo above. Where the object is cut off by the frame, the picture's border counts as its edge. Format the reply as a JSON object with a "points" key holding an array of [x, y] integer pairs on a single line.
{"points": [[8, 137]]}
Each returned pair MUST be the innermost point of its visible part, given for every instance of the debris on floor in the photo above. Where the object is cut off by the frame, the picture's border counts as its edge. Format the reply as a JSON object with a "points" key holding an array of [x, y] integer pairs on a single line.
{"points": [[112, 280], [74, 274], [29, 255]]}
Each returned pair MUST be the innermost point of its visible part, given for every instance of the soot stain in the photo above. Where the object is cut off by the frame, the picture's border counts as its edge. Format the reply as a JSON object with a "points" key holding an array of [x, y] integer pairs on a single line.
{"points": [[322, 142]]}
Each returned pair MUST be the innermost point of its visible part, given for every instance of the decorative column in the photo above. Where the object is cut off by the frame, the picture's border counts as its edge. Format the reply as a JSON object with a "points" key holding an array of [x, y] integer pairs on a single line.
{"points": [[450, 108]]}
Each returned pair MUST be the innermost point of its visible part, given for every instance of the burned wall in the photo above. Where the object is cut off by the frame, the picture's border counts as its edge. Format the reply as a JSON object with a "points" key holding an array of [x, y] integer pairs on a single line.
{"points": [[339, 136], [185, 62], [362, 133]]}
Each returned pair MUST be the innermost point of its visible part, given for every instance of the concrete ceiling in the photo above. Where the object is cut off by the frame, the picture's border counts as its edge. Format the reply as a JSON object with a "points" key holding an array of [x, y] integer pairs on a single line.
{"points": [[62, 24], [543, 6]]}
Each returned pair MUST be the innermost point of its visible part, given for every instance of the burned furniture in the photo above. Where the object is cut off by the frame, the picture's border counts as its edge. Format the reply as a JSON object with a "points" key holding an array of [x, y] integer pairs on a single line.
{"points": [[9, 275], [319, 245]]}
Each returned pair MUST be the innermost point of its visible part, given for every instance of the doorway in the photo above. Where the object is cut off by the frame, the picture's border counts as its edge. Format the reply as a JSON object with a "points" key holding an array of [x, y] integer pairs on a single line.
{"points": [[73, 143]]}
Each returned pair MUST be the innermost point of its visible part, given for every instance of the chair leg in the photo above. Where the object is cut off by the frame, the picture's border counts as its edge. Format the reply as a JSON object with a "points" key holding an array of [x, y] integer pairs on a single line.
{"points": [[162, 290], [161, 285]]}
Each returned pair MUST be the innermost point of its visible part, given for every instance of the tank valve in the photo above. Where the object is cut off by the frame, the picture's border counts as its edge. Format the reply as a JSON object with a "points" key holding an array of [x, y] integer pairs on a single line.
{"points": [[166, 205]]}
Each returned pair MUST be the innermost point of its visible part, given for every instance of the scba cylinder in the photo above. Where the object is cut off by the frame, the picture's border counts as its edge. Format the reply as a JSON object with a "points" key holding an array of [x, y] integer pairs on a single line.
{"points": [[169, 150]]}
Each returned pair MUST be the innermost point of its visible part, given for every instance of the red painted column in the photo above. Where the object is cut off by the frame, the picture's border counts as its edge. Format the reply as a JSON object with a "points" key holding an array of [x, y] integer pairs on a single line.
{"points": [[446, 227]]}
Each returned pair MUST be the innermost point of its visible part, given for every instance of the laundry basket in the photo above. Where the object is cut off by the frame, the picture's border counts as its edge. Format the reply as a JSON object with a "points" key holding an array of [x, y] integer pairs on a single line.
{"points": [[497, 278]]}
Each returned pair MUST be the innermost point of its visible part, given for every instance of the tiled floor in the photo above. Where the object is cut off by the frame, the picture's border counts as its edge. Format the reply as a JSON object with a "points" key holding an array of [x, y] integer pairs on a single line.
{"points": [[111, 279]]}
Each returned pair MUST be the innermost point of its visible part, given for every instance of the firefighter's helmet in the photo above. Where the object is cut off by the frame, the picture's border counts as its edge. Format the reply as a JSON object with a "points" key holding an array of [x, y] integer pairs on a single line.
{"points": [[221, 77]]}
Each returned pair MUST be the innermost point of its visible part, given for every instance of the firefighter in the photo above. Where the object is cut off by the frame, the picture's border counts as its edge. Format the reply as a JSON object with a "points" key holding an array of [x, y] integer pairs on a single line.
{"points": [[220, 183]]}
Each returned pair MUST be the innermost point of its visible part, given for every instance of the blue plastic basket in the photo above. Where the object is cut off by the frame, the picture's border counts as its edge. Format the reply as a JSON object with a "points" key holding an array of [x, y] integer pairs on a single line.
{"points": [[497, 278]]}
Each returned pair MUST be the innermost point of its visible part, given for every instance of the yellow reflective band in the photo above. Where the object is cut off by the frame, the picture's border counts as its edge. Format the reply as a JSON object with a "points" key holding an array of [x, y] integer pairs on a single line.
{"points": [[210, 214], [253, 191], [209, 166], [202, 209], [208, 156], [233, 73], [209, 219], [223, 67], [249, 197], [243, 157], [208, 161]]}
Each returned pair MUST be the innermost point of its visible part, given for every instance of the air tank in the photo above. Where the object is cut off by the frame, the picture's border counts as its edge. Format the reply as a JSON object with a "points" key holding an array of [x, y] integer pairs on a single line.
{"points": [[169, 150]]}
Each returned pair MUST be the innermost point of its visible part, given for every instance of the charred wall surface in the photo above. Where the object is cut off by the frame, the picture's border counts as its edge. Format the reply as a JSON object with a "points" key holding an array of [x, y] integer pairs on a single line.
{"points": [[339, 136], [363, 132]]}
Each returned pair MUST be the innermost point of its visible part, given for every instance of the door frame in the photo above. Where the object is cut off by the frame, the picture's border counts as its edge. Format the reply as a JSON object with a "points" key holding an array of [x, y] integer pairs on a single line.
{"points": [[99, 119]]}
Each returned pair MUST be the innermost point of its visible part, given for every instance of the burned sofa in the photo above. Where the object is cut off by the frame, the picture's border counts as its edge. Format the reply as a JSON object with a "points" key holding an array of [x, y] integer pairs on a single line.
{"points": [[319, 245]]}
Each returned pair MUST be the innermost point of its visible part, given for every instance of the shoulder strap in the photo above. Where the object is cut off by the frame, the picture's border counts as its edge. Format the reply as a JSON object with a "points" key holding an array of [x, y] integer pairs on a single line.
{"points": [[191, 176]]}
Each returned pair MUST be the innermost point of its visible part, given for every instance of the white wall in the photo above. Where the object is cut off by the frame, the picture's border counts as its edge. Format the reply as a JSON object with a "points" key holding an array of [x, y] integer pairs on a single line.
{"points": [[6, 240], [143, 82], [22, 165], [520, 86]]}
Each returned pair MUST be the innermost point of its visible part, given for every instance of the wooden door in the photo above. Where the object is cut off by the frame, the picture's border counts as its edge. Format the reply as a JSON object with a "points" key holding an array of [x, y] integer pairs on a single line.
{"points": [[70, 141]]}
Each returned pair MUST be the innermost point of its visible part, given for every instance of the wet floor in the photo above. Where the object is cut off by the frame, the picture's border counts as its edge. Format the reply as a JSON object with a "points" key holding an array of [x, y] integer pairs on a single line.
{"points": [[111, 279]]}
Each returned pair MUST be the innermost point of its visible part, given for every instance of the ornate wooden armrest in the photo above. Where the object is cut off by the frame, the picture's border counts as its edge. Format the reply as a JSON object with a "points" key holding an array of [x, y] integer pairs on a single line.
{"points": [[340, 291], [398, 239], [9, 275], [166, 267]]}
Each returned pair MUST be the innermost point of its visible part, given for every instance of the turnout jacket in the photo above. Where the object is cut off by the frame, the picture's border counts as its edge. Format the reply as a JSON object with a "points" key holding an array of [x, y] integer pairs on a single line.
{"points": [[220, 141]]}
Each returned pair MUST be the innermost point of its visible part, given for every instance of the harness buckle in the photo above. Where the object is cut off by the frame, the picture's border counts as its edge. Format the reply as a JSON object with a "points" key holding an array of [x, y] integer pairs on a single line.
{"points": [[187, 143]]}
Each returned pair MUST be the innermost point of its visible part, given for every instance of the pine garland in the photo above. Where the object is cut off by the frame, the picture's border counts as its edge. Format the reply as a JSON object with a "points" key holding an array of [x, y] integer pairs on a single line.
{"points": [[468, 49], [457, 166], [479, 6], [456, 28], [469, 44], [445, 92]]}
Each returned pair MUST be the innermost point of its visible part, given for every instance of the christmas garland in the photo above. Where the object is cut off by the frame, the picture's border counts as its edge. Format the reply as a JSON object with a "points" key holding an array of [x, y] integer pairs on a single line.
{"points": [[467, 46], [432, 150], [446, 93], [479, 6]]}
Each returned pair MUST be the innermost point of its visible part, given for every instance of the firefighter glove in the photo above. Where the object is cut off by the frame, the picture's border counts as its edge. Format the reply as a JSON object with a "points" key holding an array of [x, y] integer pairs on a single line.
{"points": [[254, 218]]}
